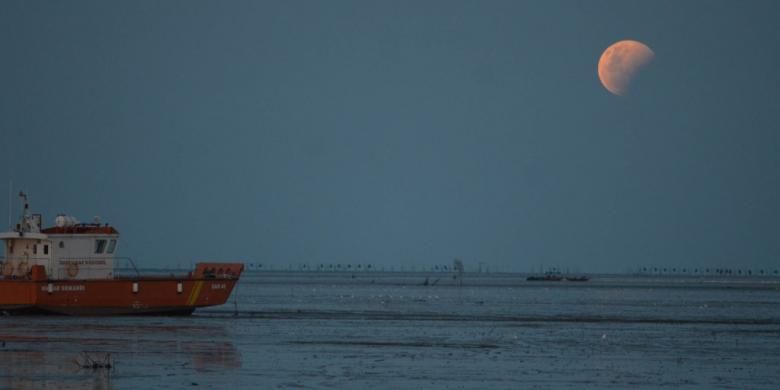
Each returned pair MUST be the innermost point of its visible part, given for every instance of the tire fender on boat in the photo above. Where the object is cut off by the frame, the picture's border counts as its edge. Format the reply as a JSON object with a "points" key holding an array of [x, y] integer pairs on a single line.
{"points": [[22, 268], [8, 269]]}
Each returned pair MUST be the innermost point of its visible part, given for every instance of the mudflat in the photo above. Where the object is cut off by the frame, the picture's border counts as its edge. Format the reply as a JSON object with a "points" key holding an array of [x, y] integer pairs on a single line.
{"points": [[392, 330]]}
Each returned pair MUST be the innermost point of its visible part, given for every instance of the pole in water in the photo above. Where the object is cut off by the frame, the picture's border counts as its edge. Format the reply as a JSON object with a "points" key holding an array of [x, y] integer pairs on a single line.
{"points": [[235, 301]]}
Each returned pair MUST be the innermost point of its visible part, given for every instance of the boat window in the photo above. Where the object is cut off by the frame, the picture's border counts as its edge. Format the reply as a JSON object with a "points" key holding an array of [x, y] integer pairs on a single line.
{"points": [[62, 244], [45, 249], [35, 249], [100, 246], [111, 246]]}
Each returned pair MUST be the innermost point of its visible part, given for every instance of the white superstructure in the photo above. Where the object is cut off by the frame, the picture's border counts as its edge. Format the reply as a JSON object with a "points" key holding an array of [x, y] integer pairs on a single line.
{"points": [[69, 250]]}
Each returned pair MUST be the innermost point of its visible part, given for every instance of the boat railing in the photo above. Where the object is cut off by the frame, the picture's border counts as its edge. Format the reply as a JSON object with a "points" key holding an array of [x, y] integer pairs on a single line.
{"points": [[19, 266], [29, 258], [125, 264]]}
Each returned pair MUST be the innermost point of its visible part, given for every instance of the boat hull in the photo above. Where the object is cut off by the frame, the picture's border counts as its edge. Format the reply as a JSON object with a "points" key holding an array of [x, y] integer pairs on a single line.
{"points": [[115, 297], [17, 295], [122, 296]]}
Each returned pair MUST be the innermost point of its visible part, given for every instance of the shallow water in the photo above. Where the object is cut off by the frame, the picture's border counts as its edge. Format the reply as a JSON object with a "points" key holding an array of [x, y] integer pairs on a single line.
{"points": [[328, 330]]}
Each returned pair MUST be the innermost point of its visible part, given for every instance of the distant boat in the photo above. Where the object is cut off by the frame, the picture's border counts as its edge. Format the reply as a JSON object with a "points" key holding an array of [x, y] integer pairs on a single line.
{"points": [[551, 276], [577, 278]]}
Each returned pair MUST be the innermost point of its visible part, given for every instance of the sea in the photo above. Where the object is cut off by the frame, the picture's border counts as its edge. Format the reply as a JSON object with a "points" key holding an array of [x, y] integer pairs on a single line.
{"points": [[417, 330]]}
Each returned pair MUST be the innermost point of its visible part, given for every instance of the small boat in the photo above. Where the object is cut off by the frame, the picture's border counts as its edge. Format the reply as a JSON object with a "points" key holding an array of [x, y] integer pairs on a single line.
{"points": [[551, 276], [69, 269], [577, 278]]}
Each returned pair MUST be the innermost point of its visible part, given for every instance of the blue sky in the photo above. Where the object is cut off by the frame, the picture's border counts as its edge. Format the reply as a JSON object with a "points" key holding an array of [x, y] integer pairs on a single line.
{"points": [[399, 133]]}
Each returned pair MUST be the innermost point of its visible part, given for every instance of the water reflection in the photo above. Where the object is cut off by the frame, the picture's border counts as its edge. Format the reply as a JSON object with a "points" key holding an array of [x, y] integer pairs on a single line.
{"points": [[40, 352]]}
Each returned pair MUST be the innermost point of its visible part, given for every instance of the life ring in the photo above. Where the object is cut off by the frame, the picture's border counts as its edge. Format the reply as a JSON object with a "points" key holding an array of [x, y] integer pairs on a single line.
{"points": [[8, 269], [22, 268], [73, 269]]}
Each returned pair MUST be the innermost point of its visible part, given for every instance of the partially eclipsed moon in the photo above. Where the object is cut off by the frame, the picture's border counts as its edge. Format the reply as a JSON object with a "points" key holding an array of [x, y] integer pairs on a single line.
{"points": [[621, 62]]}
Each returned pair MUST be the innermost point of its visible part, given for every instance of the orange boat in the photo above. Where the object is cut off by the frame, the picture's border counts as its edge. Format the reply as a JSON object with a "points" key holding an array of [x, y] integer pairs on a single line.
{"points": [[69, 269]]}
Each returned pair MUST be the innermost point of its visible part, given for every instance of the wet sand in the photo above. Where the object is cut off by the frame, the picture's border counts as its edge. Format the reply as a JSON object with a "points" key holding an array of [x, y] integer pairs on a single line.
{"points": [[293, 330]]}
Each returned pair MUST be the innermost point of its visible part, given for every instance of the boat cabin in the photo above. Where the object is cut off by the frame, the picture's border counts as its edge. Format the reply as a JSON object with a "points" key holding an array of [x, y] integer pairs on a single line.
{"points": [[67, 250]]}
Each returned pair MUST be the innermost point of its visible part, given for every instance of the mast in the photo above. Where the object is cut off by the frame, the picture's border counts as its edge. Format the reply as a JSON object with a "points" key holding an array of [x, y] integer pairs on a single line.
{"points": [[10, 204], [26, 209]]}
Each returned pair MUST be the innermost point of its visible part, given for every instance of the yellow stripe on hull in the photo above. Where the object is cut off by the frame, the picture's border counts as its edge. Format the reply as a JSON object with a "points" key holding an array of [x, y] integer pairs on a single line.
{"points": [[195, 293]]}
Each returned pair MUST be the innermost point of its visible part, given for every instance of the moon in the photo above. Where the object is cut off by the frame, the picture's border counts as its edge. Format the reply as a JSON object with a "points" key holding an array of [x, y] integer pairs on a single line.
{"points": [[621, 62]]}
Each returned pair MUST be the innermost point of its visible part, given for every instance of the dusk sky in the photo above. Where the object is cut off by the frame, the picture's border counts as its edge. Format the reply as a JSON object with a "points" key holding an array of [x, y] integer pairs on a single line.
{"points": [[399, 133]]}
